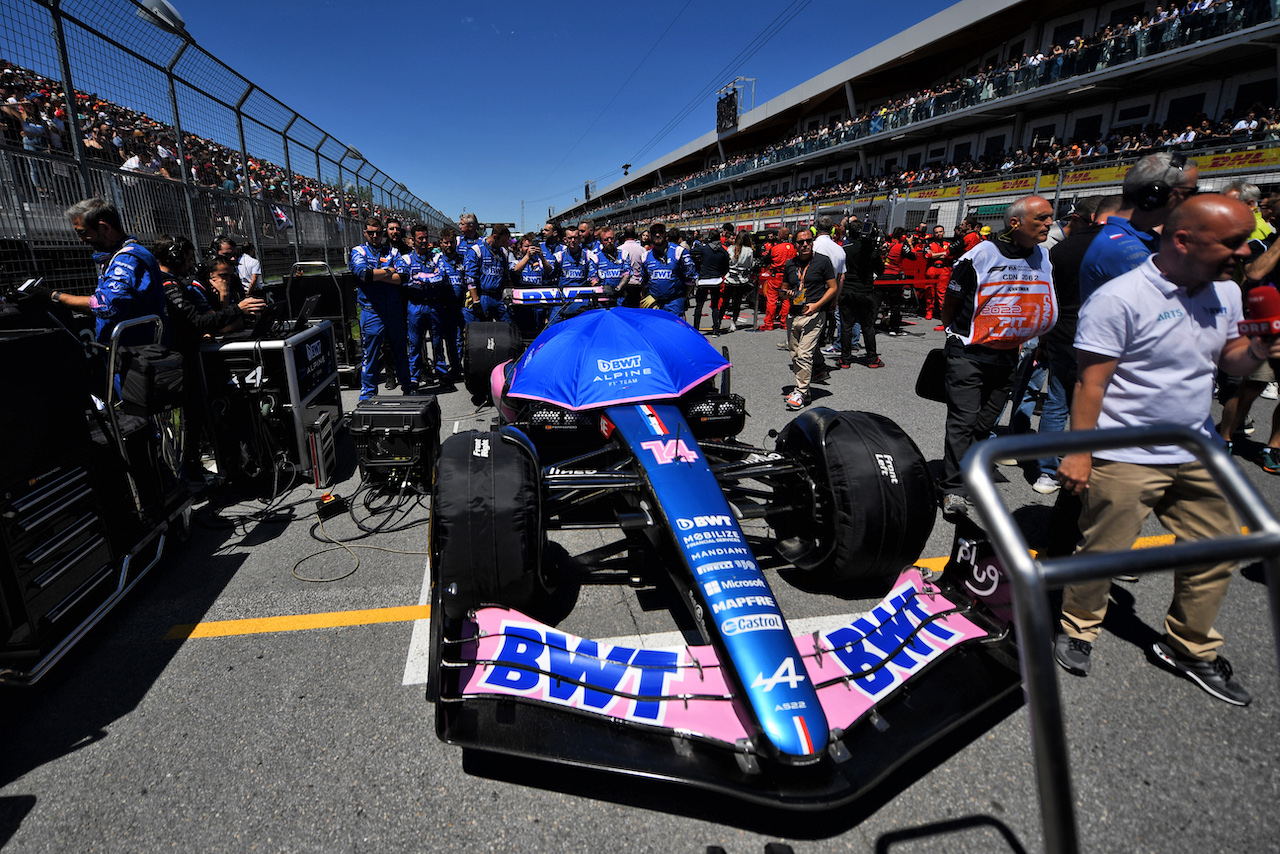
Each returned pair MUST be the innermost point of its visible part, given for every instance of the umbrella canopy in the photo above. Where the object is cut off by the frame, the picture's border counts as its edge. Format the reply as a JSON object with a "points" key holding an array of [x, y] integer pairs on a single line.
{"points": [[619, 355]]}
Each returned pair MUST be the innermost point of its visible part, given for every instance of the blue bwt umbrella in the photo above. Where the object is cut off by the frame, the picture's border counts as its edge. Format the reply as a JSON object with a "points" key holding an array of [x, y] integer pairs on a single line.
{"points": [[620, 355]]}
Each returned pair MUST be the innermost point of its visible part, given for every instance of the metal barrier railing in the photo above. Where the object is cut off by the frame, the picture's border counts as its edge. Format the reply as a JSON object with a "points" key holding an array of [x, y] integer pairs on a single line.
{"points": [[1030, 578], [112, 79]]}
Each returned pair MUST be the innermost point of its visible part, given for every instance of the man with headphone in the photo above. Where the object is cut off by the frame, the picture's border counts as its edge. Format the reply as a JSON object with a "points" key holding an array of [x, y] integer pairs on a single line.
{"points": [[1152, 188]]}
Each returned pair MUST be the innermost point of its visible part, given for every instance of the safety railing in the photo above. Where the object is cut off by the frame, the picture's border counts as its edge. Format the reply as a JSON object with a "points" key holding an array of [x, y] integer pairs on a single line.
{"points": [[1030, 578]]}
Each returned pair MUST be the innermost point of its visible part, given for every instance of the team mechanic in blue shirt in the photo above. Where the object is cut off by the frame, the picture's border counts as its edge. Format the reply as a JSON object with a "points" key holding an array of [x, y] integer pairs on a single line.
{"points": [[1152, 188], [536, 271], [131, 284], [381, 310], [486, 271], [432, 310], [468, 233], [573, 269], [609, 267], [667, 272], [449, 261]]}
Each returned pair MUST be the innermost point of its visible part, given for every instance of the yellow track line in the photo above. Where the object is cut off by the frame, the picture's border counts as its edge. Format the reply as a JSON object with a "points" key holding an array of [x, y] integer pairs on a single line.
{"points": [[299, 622], [409, 613]]}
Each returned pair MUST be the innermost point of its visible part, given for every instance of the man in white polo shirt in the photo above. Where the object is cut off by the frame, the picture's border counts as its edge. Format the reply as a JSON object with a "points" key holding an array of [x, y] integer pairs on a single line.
{"points": [[1149, 343]]}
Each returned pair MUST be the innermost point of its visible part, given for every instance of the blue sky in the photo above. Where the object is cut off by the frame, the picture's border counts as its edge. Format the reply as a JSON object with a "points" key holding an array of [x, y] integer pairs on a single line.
{"points": [[486, 105]]}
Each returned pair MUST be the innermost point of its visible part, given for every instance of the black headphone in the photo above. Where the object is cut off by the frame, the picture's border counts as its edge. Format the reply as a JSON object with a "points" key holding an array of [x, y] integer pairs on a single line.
{"points": [[1156, 194], [172, 254]]}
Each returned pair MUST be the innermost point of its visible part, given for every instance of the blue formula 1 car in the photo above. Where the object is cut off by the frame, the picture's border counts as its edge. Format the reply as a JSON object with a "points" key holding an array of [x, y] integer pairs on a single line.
{"points": [[613, 420]]}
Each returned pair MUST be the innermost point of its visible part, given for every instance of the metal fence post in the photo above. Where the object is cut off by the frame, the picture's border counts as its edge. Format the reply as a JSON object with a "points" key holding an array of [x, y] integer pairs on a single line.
{"points": [[244, 160], [293, 196], [68, 94], [184, 167]]}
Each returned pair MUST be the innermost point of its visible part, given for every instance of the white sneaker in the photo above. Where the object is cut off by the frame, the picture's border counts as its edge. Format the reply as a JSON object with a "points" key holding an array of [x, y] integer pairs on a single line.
{"points": [[1046, 484], [1269, 393], [796, 400], [831, 350]]}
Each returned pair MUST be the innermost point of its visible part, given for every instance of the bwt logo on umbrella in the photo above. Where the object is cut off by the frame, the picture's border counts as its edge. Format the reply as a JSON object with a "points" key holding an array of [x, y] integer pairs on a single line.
{"points": [[623, 364]]}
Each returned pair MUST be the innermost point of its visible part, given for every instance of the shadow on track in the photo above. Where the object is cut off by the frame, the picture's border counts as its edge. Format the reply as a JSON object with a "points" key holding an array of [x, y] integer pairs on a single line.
{"points": [[690, 802]]}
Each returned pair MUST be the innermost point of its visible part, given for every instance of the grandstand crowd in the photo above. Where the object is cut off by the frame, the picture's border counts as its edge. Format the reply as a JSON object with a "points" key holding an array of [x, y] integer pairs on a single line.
{"points": [[35, 119], [1146, 35]]}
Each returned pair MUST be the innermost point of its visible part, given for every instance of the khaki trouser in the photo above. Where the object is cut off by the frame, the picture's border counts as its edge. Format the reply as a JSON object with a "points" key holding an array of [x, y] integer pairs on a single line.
{"points": [[803, 333], [1187, 502]]}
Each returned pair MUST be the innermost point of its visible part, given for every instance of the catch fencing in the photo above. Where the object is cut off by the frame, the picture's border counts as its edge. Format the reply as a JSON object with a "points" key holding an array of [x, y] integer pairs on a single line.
{"points": [[215, 154]]}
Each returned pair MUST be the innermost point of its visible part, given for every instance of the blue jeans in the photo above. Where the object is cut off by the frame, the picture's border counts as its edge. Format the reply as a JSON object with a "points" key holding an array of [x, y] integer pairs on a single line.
{"points": [[1057, 404]]}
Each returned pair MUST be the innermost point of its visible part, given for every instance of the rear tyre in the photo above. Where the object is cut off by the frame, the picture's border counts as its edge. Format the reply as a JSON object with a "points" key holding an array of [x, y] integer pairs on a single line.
{"points": [[868, 507]]}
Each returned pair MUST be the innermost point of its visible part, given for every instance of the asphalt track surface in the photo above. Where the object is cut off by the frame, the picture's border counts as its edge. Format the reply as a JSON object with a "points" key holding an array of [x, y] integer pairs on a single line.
{"points": [[299, 733]]}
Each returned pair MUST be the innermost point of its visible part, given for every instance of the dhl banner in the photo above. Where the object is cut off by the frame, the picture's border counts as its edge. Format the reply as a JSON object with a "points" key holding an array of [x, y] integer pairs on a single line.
{"points": [[991, 188], [1228, 161], [1231, 161], [950, 192]]}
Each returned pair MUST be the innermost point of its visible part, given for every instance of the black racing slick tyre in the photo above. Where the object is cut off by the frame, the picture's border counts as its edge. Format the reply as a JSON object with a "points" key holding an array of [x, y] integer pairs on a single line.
{"points": [[485, 345], [487, 532], [870, 505]]}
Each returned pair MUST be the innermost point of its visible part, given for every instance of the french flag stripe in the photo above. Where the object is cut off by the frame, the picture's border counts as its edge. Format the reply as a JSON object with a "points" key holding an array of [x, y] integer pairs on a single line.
{"points": [[655, 423], [803, 732]]}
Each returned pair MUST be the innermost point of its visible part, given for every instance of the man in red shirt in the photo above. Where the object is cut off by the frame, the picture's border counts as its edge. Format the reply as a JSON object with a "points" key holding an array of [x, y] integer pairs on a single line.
{"points": [[775, 259], [938, 257]]}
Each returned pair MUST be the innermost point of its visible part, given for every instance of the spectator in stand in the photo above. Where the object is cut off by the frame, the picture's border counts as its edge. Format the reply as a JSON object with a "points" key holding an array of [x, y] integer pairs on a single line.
{"points": [[810, 286], [250, 269], [982, 346]]}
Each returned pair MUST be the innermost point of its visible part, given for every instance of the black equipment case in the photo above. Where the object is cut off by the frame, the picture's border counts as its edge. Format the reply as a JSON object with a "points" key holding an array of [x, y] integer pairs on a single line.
{"points": [[396, 437]]}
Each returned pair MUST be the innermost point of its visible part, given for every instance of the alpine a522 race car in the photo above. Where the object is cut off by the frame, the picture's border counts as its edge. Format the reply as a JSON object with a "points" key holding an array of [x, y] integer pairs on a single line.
{"points": [[613, 420]]}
